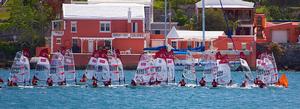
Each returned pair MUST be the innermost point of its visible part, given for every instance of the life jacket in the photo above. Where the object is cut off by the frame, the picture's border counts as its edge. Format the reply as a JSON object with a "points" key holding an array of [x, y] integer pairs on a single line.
{"points": [[95, 83], [133, 83], [243, 84], [182, 83], [202, 82], [34, 81], [214, 83], [84, 78], [1, 80], [50, 82]]}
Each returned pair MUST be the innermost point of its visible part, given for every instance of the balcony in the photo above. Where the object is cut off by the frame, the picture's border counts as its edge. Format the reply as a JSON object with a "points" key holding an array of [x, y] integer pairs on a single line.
{"points": [[130, 35], [57, 33]]}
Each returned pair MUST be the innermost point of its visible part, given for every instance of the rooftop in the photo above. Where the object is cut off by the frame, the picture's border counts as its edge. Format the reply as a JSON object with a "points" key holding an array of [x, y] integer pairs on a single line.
{"points": [[188, 34], [226, 4], [103, 11], [145, 2]]}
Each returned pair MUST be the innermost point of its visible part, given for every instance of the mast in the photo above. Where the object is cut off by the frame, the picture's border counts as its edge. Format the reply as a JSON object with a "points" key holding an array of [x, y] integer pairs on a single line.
{"points": [[166, 17], [203, 23]]}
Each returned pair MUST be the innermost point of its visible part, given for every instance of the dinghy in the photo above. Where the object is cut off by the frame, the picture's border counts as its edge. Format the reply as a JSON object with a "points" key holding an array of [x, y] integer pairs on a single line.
{"points": [[146, 71], [57, 73], [170, 67], [266, 69], [42, 69], [20, 70], [210, 67], [116, 67], [189, 72], [103, 72], [224, 73], [69, 66], [161, 66]]}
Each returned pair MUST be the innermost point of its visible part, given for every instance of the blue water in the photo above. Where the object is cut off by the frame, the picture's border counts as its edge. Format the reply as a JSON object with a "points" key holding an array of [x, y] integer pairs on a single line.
{"points": [[153, 97]]}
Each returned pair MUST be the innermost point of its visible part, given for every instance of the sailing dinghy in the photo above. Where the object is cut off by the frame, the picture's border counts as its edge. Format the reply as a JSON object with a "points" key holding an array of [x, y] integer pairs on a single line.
{"points": [[69, 66], [42, 68], [146, 71], [116, 67], [57, 73], [20, 70], [224, 73]]}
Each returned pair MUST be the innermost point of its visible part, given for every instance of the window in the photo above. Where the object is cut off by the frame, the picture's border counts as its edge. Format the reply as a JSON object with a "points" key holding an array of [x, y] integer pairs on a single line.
{"points": [[197, 44], [189, 44], [230, 46], [244, 46], [134, 27], [76, 46], [58, 40], [174, 44], [105, 26], [73, 26], [157, 32]]}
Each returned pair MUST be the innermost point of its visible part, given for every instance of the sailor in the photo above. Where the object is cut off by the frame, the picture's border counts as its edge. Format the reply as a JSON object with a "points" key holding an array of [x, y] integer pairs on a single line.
{"points": [[182, 82], [133, 83], [244, 83], [50, 82], [34, 80], [214, 83], [95, 83], [230, 83], [157, 82], [261, 84], [107, 83], [202, 82], [84, 78], [256, 81], [1, 81]]}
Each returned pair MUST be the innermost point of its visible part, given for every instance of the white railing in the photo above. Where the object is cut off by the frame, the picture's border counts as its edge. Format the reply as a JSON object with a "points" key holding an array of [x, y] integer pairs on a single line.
{"points": [[130, 35], [57, 33]]}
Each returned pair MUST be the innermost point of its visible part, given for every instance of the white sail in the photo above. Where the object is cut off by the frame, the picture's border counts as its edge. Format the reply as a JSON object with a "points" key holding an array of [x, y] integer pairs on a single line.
{"points": [[20, 69], [102, 72], [161, 69], [170, 70], [69, 66], [145, 70], [246, 69], [224, 73], [266, 69], [189, 68], [57, 67], [91, 68], [42, 70], [210, 70], [116, 69]]}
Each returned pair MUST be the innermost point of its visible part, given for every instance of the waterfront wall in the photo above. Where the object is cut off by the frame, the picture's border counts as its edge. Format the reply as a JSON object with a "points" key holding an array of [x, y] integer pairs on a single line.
{"points": [[287, 55]]}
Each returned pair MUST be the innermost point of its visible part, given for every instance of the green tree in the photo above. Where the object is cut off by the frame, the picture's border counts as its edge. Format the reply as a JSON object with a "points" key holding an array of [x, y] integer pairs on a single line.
{"points": [[214, 20], [30, 21]]}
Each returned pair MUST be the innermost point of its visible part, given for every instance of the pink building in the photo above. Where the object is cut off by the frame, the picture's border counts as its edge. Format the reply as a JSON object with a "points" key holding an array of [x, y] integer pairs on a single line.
{"points": [[88, 27]]}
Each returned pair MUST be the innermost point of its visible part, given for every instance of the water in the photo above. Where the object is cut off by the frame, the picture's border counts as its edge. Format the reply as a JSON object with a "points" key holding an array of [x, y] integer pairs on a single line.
{"points": [[152, 97]]}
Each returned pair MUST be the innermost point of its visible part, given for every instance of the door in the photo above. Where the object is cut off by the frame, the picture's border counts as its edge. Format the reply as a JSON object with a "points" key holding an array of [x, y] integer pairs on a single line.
{"points": [[280, 36], [90, 46]]}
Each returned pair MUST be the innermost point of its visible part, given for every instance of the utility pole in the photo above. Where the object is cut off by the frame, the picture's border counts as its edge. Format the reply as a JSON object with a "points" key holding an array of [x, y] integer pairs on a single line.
{"points": [[203, 23], [166, 17]]}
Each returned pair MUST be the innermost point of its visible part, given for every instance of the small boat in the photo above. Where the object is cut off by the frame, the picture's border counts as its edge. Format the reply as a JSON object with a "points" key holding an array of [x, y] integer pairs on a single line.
{"points": [[116, 67], [170, 67], [20, 70], [57, 72], [69, 66], [266, 69], [224, 72], [246, 70], [146, 71], [161, 65], [42, 68], [210, 67], [103, 71], [189, 72]]}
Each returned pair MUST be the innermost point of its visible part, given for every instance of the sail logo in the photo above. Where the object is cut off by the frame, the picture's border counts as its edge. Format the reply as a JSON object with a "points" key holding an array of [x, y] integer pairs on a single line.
{"points": [[143, 64], [102, 61], [94, 60], [43, 60]]}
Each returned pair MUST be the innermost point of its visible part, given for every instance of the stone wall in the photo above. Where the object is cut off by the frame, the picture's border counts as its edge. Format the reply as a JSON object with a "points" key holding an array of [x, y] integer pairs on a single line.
{"points": [[290, 57]]}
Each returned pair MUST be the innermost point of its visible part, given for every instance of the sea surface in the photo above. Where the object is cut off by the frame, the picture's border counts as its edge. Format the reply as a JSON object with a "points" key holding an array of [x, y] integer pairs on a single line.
{"points": [[156, 97]]}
